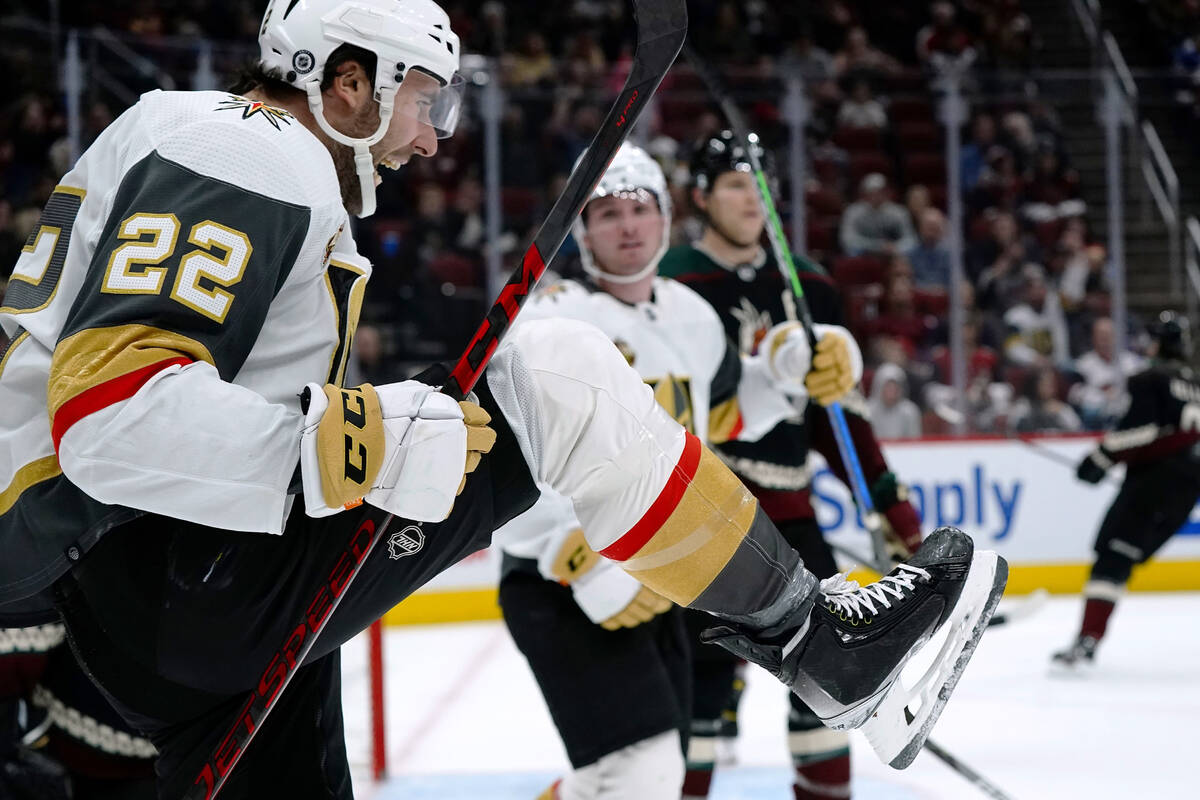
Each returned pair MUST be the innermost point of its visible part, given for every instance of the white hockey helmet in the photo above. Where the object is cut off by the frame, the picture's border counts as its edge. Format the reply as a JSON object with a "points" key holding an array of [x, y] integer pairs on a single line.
{"points": [[298, 36], [632, 173]]}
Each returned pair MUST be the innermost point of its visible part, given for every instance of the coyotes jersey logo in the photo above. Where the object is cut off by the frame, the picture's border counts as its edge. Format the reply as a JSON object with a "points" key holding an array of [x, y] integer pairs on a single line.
{"points": [[752, 325]]}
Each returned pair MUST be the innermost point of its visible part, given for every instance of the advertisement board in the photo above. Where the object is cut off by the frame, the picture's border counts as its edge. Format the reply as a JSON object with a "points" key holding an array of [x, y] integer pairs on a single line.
{"points": [[1018, 497]]}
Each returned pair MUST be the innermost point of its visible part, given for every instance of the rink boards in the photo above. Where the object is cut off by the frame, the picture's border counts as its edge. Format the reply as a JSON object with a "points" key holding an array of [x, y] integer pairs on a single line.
{"points": [[1018, 498]]}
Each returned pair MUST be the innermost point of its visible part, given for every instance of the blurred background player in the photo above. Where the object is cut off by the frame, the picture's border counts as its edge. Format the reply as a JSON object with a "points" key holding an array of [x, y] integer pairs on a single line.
{"points": [[731, 269], [578, 618], [59, 737], [1157, 441]]}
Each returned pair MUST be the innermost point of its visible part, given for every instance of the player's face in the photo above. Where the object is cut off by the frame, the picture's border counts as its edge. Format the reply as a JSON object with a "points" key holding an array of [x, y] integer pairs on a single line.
{"points": [[623, 233], [409, 132], [733, 208]]}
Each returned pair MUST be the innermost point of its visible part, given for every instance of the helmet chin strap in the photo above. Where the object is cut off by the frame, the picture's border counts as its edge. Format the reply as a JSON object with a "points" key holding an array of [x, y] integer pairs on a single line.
{"points": [[364, 164], [590, 267]]}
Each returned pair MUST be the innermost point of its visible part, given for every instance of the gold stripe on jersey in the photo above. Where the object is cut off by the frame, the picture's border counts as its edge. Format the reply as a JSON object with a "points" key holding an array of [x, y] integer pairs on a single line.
{"points": [[347, 328], [75, 190], [12, 346], [97, 355], [724, 420], [699, 537], [32, 473]]}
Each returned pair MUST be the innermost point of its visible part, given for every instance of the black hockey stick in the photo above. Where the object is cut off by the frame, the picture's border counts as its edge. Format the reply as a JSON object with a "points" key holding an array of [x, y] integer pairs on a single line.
{"points": [[1059, 458], [661, 29], [787, 268], [837, 419]]}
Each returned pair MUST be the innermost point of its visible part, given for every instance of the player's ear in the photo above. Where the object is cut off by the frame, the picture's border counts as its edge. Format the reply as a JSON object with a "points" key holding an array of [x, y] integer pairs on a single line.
{"points": [[351, 87], [699, 198]]}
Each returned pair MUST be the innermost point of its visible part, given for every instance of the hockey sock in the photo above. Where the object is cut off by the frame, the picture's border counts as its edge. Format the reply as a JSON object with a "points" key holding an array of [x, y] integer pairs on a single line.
{"points": [[697, 782], [1100, 598], [1095, 617], [820, 756], [822, 780]]}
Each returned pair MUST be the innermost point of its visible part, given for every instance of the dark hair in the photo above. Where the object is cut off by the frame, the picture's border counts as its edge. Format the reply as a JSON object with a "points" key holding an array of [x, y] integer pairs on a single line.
{"points": [[253, 75]]}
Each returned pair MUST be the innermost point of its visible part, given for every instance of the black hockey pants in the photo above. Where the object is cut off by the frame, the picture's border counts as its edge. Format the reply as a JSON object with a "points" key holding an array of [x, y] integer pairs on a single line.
{"points": [[176, 623]]}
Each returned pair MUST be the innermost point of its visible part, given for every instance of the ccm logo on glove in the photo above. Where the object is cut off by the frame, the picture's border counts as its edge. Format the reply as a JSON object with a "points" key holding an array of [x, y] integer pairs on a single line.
{"points": [[353, 425], [403, 447]]}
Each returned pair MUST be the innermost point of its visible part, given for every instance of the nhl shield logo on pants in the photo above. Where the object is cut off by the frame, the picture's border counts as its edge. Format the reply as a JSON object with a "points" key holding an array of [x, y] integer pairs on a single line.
{"points": [[406, 542]]}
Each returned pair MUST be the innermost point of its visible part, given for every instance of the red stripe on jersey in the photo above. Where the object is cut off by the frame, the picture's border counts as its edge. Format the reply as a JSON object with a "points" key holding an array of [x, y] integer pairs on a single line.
{"points": [[104, 395], [662, 507], [737, 428]]}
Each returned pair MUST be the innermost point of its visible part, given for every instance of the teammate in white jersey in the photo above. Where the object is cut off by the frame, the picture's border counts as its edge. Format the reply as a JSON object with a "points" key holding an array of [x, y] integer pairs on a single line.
{"points": [[180, 469], [576, 617]]}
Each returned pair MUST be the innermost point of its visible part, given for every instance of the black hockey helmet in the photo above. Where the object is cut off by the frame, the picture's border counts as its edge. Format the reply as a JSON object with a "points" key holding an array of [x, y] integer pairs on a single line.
{"points": [[1171, 331], [720, 153]]}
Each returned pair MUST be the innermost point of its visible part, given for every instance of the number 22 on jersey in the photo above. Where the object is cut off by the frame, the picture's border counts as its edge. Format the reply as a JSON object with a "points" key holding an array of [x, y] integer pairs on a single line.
{"points": [[219, 261]]}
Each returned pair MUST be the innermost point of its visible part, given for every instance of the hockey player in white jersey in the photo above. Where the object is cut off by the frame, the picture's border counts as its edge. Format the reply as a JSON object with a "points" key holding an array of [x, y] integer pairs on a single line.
{"points": [[576, 617], [180, 467]]}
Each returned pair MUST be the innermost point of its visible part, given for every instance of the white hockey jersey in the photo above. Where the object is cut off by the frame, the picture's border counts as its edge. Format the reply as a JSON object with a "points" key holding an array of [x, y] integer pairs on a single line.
{"points": [[186, 279], [677, 343]]}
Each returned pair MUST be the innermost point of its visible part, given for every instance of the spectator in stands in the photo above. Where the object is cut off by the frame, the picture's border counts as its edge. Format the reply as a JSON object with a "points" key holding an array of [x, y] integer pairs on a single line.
{"points": [[520, 153], [368, 359], [916, 200], [1039, 409], [586, 64], [10, 243], [532, 64], [987, 399], [973, 156], [802, 58], [31, 139], [943, 38], [874, 224], [858, 58], [465, 219], [1101, 397], [930, 258], [1082, 265], [892, 414], [1003, 233], [1008, 33], [431, 232], [727, 35], [1019, 138], [898, 315], [861, 109], [490, 36], [1050, 182], [571, 130], [1000, 183], [1037, 327]]}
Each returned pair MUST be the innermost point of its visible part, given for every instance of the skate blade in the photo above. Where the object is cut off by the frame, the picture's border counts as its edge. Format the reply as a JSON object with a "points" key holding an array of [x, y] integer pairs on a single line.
{"points": [[896, 733]]}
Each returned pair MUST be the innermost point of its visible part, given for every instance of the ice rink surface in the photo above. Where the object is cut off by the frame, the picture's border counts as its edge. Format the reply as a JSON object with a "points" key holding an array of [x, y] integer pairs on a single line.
{"points": [[465, 719]]}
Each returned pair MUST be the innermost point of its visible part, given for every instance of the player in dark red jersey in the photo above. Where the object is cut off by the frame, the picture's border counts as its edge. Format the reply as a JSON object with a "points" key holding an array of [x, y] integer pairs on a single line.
{"points": [[1158, 440]]}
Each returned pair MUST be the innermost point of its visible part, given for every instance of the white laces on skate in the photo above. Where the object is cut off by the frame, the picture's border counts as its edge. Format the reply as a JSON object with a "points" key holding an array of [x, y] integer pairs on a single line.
{"points": [[846, 598]]}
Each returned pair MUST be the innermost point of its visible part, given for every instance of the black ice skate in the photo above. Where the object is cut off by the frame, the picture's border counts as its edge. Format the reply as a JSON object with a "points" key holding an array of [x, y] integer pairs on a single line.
{"points": [[843, 656], [1081, 653]]}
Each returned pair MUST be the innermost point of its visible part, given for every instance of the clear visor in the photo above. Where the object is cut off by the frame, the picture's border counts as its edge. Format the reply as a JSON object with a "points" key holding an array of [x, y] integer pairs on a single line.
{"points": [[423, 98]]}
